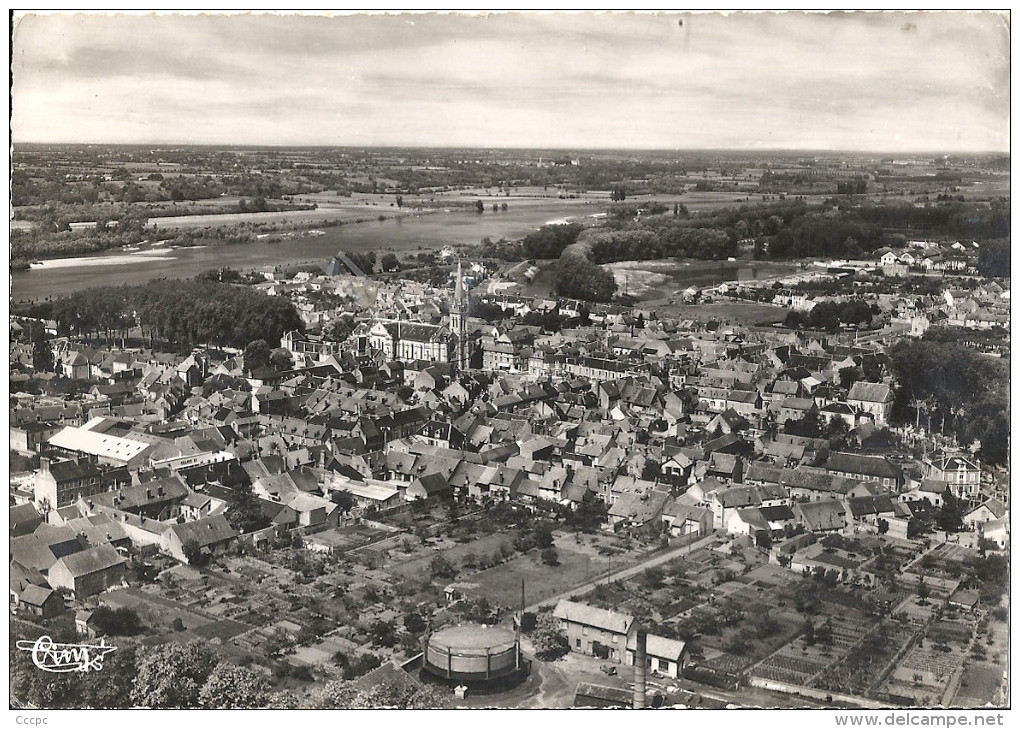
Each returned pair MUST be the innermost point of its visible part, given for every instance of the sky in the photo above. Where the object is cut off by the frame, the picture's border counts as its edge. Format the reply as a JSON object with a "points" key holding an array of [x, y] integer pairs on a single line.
{"points": [[880, 81]]}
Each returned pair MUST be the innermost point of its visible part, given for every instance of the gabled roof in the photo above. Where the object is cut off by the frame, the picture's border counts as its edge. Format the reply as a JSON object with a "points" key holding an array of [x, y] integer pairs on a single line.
{"points": [[874, 466], [995, 506], [875, 392], [822, 514], [205, 532], [91, 560], [581, 614]]}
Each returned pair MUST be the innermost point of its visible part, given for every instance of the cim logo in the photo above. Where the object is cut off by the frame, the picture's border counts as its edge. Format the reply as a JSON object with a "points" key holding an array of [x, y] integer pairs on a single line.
{"points": [[66, 657]]}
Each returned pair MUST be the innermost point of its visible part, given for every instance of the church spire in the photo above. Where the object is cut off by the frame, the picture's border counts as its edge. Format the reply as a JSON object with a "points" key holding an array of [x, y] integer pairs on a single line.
{"points": [[458, 320]]}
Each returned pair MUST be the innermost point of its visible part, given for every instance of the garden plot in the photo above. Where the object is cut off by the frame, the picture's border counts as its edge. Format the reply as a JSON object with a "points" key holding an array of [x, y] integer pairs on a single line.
{"points": [[865, 664], [925, 672], [790, 666]]}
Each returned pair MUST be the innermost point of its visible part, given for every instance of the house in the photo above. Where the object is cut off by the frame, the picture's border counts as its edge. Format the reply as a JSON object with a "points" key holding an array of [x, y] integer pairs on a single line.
{"points": [[85, 624], [873, 398], [962, 475], [62, 483], [866, 468], [749, 522], [684, 519], [980, 515], [211, 535], [429, 486], [39, 601], [88, 572], [663, 656], [634, 508], [314, 510], [31, 593], [24, 519], [28, 438], [594, 631], [821, 516]]}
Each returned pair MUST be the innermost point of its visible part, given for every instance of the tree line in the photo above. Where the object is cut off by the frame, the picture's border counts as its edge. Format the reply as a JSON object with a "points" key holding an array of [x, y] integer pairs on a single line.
{"points": [[949, 387], [181, 313]]}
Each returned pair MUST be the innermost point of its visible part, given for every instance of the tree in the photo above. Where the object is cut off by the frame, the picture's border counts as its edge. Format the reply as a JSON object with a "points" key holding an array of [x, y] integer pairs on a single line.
{"points": [[763, 540], [171, 676], [234, 687], [390, 262], [579, 278], [244, 512], [588, 516], [383, 633], [548, 638], [480, 206], [950, 516], [42, 351], [400, 204], [653, 577], [550, 556], [117, 621], [381, 695], [415, 623], [823, 634], [994, 259], [256, 355], [344, 500], [809, 632], [543, 536], [651, 470], [922, 590], [281, 359], [193, 554], [440, 566], [340, 329]]}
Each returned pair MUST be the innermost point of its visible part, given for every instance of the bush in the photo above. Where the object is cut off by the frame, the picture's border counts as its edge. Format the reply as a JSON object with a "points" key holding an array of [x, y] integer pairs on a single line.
{"points": [[550, 557]]}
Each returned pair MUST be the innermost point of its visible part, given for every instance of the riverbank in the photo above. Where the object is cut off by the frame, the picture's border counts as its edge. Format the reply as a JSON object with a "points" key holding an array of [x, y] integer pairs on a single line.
{"points": [[409, 231]]}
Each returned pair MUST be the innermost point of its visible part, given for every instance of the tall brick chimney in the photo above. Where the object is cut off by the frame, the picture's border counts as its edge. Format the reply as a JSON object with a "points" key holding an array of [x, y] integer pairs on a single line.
{"points": [[640, 663]]}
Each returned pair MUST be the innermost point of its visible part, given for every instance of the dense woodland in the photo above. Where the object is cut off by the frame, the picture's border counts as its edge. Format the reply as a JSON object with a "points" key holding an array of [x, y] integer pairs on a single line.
{"points": [[181, 314]]}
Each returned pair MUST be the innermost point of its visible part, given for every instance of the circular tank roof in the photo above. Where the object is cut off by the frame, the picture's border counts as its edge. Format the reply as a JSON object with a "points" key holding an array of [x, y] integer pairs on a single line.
{"points": [[472, 636]]}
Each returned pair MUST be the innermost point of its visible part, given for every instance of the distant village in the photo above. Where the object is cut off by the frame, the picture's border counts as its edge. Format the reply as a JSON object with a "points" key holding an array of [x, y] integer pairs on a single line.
{"points": [[678, 430]]}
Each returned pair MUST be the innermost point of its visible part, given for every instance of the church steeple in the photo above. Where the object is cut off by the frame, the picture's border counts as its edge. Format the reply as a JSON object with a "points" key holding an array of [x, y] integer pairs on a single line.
{"points": [[458, 320]]}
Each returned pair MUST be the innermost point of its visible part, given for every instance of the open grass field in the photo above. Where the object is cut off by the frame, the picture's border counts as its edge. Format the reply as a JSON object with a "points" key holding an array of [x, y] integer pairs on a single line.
{"points": [[731, 312], [418, 566], [502, 584]]}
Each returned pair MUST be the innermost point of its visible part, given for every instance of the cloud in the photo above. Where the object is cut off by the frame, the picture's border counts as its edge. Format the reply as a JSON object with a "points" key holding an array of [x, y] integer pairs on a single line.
{"points": [[528, 79]]}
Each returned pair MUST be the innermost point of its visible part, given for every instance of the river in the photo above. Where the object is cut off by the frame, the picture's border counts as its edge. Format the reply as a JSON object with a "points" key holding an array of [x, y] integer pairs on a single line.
{"points": [[429, 231]]}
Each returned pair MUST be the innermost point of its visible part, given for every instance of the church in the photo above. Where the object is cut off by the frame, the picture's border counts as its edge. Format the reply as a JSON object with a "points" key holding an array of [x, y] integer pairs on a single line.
{"points": [[411, 341]]}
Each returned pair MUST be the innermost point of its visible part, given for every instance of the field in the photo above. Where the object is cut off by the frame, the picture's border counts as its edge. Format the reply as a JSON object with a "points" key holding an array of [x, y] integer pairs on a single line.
{"points": [[737, 313], [502, 584]]}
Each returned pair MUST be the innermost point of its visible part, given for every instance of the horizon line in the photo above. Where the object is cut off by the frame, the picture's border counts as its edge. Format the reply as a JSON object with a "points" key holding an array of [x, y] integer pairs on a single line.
{"points": [[274, 145]]}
